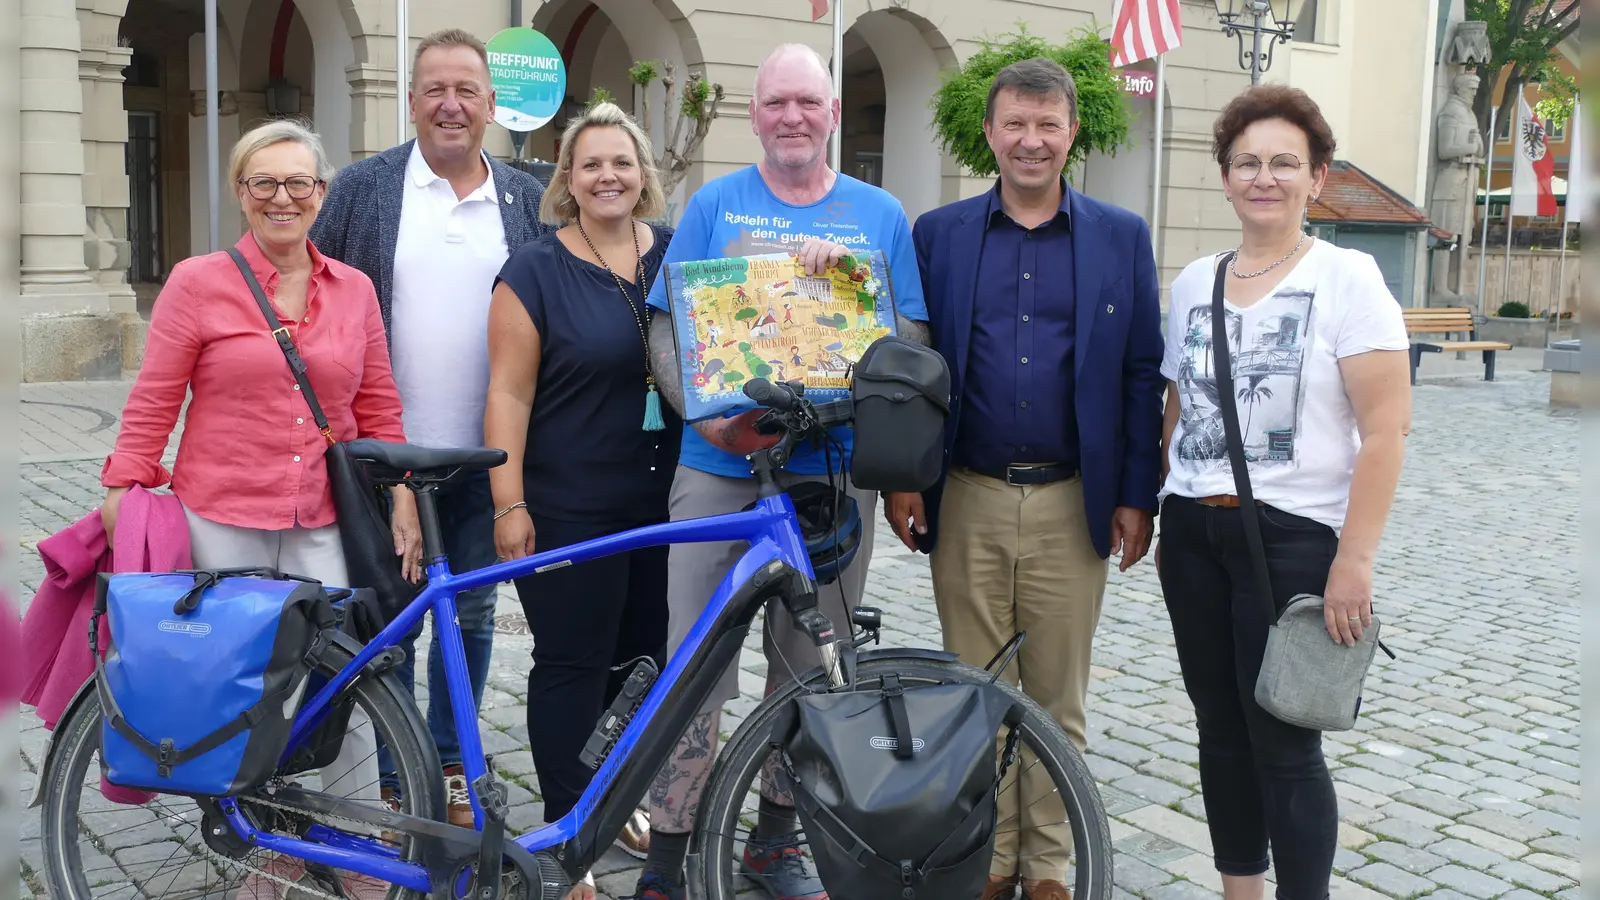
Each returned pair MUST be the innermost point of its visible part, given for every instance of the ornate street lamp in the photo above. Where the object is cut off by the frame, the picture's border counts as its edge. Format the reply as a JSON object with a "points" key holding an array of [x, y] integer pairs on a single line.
{"points": [[1279, 23]]}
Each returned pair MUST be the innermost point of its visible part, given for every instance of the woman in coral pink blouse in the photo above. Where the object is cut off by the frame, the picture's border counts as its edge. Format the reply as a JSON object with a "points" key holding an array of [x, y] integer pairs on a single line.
{"points": [[250, 469]]}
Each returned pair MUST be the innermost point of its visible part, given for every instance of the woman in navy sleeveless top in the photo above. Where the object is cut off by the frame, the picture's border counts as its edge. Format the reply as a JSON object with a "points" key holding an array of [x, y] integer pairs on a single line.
{"points": [[591, 449]]}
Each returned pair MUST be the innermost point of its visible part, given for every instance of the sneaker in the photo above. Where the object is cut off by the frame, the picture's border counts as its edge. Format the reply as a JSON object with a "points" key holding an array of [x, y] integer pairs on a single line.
{"points": [[654, 887], [778, 865], [459, 801]]}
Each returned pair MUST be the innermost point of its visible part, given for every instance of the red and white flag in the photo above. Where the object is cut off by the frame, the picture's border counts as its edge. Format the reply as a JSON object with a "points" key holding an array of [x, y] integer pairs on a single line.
{"points": [[819, 8], [1532, 166], [1144, 28]]}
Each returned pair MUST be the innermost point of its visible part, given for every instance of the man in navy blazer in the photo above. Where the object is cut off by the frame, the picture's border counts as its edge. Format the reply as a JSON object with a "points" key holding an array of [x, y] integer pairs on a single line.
{"points": [[1045, 305]]}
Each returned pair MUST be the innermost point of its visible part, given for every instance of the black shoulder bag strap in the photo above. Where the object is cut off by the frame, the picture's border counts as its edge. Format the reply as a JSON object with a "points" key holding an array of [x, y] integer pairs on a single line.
{"points": [[1230, 421], [1220, 358], [285, 343]]}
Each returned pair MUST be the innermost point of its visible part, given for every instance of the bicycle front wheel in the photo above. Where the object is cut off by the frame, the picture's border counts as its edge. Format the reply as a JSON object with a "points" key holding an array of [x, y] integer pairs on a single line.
{"points": [[729, 808]]}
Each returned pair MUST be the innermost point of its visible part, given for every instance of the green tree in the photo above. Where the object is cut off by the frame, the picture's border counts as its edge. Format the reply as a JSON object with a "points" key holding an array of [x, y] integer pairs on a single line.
{"points": [[691, 107], [1103, 116], [1524, 36]]}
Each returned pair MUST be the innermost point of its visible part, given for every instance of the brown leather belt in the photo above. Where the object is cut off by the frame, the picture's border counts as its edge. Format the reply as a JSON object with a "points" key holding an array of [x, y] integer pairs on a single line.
{"points": [[1226, 501]]}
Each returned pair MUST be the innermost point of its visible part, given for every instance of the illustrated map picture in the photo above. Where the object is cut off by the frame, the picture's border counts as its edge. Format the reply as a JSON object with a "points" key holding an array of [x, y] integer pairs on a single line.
{"points": [[761, 317]]}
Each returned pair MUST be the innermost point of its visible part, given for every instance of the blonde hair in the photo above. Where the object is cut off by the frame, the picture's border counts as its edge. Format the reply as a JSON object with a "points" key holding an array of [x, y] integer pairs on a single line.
{"points": [[277, 131], [559, 206]]}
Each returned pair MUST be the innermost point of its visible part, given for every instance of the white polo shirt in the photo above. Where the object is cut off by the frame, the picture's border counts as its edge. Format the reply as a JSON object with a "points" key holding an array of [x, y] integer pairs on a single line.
{"points": [[447, 254]]}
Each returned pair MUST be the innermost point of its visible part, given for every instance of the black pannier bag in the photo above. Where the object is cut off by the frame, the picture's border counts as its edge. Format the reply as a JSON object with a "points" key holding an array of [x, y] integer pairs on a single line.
{"points": [[896, 787], [901, 394]]}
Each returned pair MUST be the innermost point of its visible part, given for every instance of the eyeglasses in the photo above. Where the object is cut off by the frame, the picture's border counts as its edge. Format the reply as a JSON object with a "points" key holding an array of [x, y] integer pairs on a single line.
{"points": [[265, 188], [1284, 166]]}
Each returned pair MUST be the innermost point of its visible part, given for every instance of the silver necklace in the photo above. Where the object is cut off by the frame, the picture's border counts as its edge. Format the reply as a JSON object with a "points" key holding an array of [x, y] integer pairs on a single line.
{"points": [[1234, 262]]}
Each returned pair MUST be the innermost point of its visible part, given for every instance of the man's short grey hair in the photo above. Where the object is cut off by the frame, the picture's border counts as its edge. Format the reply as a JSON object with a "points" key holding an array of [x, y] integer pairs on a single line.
{"points": [[783, 50], [277, 131], [1037, 78]]}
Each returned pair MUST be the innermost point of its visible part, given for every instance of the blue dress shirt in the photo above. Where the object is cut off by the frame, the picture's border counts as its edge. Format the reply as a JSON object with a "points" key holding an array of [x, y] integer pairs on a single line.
{"points": [[1018, 398]]}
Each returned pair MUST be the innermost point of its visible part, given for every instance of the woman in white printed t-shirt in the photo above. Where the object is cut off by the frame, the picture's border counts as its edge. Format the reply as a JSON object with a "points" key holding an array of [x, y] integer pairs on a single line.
{"points": [[1321, 387]]}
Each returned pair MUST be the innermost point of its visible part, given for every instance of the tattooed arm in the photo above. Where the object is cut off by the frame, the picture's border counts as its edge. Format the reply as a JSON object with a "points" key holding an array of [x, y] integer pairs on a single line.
{"points": [[912, 330], [664, 361]]}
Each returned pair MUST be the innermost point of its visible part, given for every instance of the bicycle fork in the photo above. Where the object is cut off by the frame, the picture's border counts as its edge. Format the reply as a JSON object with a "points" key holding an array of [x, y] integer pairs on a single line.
{"points": [[815, 624]]}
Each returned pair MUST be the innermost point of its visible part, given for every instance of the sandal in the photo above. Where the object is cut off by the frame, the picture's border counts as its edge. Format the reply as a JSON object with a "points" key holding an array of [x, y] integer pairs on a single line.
{"points": [[635, 837]]}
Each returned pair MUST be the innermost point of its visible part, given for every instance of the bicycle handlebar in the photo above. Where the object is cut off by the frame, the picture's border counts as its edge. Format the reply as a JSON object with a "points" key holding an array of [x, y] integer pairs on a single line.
{"points": [[779, 396], [790, 410]]}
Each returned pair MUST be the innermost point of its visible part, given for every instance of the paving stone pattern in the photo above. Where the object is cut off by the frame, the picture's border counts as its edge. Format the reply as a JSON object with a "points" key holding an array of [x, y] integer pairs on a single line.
{"points": [[1461, 779]]}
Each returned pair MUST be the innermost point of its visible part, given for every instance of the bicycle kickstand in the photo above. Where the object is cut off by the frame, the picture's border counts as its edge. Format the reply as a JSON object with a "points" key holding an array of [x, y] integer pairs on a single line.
{"points": [[492, 797]]}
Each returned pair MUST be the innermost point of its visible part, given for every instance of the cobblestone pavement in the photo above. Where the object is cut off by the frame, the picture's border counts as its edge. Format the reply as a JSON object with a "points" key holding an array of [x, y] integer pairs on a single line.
{"points": [[1462, 778]]}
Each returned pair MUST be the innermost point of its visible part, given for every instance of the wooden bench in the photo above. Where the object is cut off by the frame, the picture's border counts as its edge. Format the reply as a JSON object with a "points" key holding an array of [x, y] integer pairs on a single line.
{"points": [[1447, 321]]}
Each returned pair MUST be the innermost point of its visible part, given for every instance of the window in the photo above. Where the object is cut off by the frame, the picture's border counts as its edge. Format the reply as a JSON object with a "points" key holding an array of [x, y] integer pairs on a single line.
{"points": [[1558, 133], [1305, 25], [142, 70]]}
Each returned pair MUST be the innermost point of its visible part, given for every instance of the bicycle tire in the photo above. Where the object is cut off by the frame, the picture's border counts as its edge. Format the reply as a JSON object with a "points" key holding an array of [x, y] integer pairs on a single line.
{"points": [[739, 762], [389, 708]]}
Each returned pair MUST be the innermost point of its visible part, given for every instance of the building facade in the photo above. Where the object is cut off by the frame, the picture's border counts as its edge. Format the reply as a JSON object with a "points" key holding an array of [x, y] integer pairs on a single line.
{"points": [[114, 175]]}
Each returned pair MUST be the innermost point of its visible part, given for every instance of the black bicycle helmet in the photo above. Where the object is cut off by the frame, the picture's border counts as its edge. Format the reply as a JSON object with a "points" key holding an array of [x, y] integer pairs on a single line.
{"points": [[830, 524]]}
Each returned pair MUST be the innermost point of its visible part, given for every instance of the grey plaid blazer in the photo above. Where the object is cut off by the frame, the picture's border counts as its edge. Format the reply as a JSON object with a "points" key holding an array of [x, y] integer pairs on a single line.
{"points": [[360, 217]]}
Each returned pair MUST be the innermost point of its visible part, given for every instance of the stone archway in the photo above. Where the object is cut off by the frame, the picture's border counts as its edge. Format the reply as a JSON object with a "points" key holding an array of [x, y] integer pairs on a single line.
{"points": [[893, 58]]}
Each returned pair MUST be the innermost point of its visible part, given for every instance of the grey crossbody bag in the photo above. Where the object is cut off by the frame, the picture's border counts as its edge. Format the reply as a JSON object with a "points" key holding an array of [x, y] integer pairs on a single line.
{"points": [[1307, 678]]}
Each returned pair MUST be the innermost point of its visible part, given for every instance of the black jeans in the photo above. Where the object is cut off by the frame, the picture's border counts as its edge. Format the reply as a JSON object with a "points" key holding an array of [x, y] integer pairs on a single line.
{"points": [[589, 621], [1260, 778]]}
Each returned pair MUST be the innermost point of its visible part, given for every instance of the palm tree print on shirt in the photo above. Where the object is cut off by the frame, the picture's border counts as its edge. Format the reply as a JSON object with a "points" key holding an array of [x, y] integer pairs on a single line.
{"points": [[1266, 381]]}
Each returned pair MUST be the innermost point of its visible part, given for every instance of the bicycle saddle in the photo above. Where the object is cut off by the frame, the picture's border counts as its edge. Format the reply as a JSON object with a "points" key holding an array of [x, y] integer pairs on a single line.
{"points": [[421, 461]]}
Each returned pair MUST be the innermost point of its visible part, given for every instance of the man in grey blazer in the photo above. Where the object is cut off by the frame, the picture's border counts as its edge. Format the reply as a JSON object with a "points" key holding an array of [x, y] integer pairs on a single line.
{"points": [[431, 222]]}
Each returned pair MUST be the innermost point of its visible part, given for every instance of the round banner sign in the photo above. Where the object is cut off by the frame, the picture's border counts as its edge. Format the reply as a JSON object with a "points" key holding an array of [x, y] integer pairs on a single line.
{"points": [[528, 76]]}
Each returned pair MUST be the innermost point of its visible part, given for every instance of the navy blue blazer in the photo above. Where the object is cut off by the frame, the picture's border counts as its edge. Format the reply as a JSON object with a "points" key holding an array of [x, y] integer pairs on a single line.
{"points": [[359, 222], [1117, 356]]}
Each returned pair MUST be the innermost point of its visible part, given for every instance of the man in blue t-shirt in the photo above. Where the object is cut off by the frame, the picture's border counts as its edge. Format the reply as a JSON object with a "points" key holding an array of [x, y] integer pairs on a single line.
{"points": [[789, 202]]}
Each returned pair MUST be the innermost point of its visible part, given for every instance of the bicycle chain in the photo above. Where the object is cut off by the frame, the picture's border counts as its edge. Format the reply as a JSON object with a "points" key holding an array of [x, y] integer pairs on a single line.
{"points": [[205, 850]]}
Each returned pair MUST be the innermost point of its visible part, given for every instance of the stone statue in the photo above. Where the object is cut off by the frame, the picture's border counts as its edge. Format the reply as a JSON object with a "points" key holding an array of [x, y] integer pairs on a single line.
{"points": [[1459, 149], [1470, 45]]}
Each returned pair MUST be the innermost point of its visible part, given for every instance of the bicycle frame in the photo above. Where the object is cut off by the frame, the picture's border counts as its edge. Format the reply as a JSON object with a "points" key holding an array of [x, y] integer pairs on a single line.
{"points": [[776, 550]]}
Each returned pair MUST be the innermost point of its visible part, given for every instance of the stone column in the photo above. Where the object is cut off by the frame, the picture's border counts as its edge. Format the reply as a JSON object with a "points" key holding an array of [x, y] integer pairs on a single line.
{"points": [[67, 332], [105, 140]]}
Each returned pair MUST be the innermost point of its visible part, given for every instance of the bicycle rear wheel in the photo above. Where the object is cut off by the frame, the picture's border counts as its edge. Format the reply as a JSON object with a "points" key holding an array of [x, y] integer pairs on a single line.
{"points": [[97, 849], [728, 809]]}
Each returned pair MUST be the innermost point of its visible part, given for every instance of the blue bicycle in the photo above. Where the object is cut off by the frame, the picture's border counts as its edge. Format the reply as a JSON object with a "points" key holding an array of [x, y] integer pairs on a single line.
{"points": [[283, 837]]}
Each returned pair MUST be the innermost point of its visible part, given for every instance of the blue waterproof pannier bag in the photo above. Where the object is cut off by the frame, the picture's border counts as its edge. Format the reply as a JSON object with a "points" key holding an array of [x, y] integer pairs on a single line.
{"points": [[204, 675]]}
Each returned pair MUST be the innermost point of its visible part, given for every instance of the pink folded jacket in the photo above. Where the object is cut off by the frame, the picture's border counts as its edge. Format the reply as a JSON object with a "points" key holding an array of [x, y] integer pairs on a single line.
{"points": [[152, 536]]}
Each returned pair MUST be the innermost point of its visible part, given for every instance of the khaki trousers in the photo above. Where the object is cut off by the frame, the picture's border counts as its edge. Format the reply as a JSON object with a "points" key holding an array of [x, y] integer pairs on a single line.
{"points": [[1019, 558]]}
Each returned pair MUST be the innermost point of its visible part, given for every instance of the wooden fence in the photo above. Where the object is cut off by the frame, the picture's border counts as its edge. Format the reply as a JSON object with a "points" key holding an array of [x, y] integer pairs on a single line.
{"points": [[1532, 279]]}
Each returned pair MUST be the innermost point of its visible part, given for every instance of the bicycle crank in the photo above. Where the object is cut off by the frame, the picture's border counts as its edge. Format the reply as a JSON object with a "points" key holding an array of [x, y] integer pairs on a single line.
{"points": [[553, 882]]}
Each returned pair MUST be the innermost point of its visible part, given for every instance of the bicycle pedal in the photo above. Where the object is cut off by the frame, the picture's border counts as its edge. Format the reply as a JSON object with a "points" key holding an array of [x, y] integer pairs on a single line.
{"points": [[620, 714], [492, 796]]}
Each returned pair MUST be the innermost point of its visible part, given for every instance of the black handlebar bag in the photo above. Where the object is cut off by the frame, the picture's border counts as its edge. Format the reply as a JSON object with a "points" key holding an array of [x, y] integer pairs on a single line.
{"points": [[900, 391], [896, 787]]}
